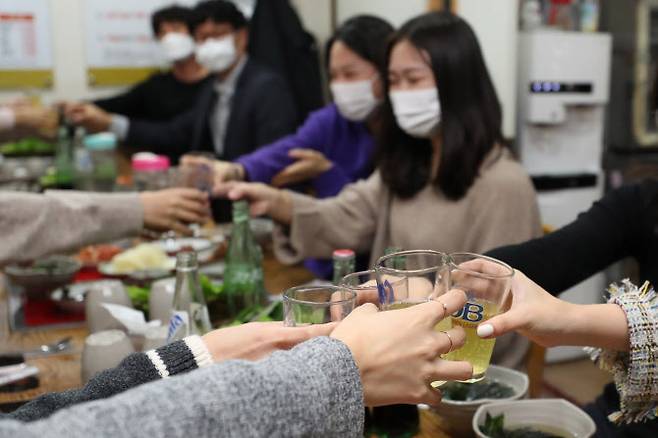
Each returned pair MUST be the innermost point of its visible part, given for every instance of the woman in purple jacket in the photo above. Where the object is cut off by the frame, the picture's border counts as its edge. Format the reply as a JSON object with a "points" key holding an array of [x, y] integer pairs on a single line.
{"points": [[334, 146]]}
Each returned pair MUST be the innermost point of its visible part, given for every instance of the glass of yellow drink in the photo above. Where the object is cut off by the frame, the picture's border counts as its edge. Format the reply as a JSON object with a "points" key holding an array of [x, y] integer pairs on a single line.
{"points": [[408, 278], [487, 283]]}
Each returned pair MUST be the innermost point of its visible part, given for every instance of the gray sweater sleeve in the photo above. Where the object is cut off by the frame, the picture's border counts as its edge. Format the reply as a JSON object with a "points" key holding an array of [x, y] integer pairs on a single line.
{"points": [[311, 390], [34, 225], [138, 368]]}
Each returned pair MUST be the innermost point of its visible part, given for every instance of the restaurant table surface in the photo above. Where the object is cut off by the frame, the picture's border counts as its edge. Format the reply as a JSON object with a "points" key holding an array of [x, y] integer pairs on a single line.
{"points": [[61, 372]]}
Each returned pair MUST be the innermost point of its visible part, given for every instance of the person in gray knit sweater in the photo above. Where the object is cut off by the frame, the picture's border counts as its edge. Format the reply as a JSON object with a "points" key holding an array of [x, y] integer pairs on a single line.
{"points": [[317, 388], [250, 341]]}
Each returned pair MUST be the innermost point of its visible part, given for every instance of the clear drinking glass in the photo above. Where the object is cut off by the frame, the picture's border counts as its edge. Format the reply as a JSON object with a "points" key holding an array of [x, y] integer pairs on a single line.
{"points": [[487, 283], [199, 177], [408, 278], [364, 284], [306, 305]]}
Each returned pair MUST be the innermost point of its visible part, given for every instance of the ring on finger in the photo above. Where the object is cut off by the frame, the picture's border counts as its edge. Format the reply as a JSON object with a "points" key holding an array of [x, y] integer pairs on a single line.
{"points": [[445, 308], [449, 339]]}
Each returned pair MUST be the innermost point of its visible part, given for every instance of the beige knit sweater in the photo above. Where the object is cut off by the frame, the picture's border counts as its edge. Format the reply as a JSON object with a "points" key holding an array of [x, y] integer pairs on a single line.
{"points": [[499, 209], [34, 225]]}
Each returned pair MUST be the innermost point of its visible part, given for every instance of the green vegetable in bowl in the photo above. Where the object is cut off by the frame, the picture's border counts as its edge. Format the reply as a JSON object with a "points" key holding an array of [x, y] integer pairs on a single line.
{"points": [[494, 427], [139, 296], [211, 291], [486, 388], [49, 179], [27, 147]]}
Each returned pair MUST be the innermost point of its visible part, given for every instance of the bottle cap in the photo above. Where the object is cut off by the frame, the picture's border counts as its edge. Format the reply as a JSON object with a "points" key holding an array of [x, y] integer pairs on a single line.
{"points": [[104, 141], [343, 254], [149, 162]]}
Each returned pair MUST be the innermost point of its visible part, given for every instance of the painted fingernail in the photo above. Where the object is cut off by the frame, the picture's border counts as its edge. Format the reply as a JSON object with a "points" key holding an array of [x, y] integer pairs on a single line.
{"points": [[485, 330]]}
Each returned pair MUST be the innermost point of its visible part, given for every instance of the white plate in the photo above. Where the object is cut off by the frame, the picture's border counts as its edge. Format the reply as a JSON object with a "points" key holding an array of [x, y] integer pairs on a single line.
{"points": [[203, 247], [172, 246]]}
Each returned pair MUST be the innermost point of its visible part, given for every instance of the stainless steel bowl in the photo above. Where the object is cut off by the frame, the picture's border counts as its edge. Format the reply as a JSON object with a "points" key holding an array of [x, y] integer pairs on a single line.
{"points": [[38, 279]]}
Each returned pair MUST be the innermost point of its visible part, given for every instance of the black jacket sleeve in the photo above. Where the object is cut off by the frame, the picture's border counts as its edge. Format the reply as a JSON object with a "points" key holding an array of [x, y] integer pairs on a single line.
{"points": [[172, 138], [609, 231], [134, 370], [129, 104]]}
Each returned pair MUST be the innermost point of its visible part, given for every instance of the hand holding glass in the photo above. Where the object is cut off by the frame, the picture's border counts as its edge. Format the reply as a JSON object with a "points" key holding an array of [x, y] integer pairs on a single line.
{"points": [[408, 278], [487, 283]]}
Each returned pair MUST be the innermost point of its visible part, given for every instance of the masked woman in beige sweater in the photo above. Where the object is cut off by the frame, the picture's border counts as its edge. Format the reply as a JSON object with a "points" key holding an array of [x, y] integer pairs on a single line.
{"points": [[444, 178]]}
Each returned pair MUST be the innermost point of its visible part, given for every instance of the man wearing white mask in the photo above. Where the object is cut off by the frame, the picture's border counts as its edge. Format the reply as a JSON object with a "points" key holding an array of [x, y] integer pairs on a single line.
{"points": [[245, 106], [164, 94], [335, 145]]}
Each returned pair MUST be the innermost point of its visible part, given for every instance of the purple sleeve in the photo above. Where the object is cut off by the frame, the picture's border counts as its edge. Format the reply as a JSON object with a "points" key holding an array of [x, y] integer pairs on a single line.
{"points": [[264, 163]]}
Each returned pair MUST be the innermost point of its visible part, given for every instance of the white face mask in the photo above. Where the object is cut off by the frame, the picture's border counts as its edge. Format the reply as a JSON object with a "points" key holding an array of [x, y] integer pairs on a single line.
{"points": [[217, 54], [418, 112], [177, 46], [355, 100]]}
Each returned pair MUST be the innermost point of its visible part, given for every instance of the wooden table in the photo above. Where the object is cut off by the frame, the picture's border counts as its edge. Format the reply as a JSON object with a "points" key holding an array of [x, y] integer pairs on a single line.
{"points": [[62, 372]]}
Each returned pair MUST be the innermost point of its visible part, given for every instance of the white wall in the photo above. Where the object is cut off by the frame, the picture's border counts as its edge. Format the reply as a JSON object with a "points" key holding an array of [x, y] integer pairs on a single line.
{"points": [[496, 25], [316, 16], [395, 11], [70, 75]]}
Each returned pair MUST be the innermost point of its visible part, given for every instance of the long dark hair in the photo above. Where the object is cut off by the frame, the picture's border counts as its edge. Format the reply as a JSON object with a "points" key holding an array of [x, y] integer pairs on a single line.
{"points": [[367, 36], [470, 112]]}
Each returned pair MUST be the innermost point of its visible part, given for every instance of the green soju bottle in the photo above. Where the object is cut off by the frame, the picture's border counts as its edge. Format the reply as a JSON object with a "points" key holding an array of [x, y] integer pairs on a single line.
{"points": [[64, 166], [243, 277], [344, 263]]}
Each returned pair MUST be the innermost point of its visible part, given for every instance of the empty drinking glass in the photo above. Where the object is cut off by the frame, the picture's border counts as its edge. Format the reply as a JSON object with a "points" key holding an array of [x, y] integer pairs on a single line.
{"points": [[305, 305]]}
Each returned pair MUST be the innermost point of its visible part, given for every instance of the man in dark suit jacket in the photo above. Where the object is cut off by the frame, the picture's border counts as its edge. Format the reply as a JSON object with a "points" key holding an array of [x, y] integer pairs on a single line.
{"points": [[248, 105]]}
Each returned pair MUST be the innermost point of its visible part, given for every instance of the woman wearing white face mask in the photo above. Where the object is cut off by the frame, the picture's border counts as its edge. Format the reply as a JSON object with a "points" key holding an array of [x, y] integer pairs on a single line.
{"points": [[444, 179], [334, 146]]}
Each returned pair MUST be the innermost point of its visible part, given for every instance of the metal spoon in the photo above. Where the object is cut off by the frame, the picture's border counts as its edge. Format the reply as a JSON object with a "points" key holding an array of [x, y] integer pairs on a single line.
{"points": [[55, 347]]}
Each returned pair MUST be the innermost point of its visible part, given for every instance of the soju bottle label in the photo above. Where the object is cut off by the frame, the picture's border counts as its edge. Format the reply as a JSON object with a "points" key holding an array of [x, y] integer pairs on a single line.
{"points": [[178, 325]]}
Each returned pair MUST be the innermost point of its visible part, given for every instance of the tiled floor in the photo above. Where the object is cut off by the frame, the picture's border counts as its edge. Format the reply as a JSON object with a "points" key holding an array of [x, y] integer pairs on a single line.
{"points": [[579, 381]]}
